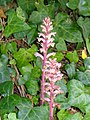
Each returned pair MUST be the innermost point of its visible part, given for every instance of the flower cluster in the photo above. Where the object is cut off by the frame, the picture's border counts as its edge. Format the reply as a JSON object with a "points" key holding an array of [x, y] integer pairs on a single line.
{"points": [[52, 75], [46, 39], [50, 68]]}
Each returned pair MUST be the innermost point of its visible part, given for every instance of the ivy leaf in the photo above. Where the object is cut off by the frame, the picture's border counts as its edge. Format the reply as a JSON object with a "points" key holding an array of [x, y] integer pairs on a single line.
{"points": [[84, 24], [26, 69], [84, 77], [62, 114], [65, 115], [8, 103], [15, 24], [12, 47], [87, 63], [32, 87], [21, 13], [79, 95], [10, 116], [61, 97], [24, 56], [88, 44], [73, 4], [27, 112], [84, 7], [63, 3], [61, 46], [68, 31], [59, 56], [6, 90], [32, 34], [70, 68], [37, 17], [62, 85], [27, 5], [20, 35], [72, 56], [4, 73], [36, 72]]}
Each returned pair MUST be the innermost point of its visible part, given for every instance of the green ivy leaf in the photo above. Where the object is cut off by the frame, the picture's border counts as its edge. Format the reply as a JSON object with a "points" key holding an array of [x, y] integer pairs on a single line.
{"points": [[79, 95], [87, 63], [88, 45], [59, 56], [73, 4], [12, 47], [27, 5], [8, 103], [28, 112], [70, 69], [6, 88], [84, 77], [63, 3], [61, 46], [10, 116], [68, 31], [26, 69], [32, 87], [65, 115], [32, 34], [61, 97], [20, 35], [62, 114], [15, 24], [21, 13], [84, 7], [37, 17], [4, 73], [36, 72], [72, 56], [84, 23], [24, 56]]}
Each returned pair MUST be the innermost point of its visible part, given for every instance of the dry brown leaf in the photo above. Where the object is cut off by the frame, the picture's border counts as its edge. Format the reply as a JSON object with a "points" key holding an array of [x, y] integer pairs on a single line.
{"points": [[2, 15]]}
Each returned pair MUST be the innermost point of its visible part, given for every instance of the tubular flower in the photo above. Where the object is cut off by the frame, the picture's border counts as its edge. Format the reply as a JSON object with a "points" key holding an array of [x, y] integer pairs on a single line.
{"points": [[46, 39]]}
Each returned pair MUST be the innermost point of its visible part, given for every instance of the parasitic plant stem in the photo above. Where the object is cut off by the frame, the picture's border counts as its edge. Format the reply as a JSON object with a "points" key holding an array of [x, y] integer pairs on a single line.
{"points": [[50, 67]]}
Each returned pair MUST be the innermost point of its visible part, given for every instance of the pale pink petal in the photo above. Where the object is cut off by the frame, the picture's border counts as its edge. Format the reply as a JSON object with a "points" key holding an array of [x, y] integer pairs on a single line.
{"points": [[41, 35], [50, 44], [47, 99], [41, 39], [50, 54], [38, 55]]}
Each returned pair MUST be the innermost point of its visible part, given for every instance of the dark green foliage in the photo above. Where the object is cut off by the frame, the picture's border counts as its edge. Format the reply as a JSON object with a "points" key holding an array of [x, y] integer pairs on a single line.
{"points": [[21, 71]]}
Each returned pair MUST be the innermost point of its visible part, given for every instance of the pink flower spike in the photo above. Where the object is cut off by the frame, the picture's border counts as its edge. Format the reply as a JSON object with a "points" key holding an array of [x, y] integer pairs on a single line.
{"points": [[38, 55]]}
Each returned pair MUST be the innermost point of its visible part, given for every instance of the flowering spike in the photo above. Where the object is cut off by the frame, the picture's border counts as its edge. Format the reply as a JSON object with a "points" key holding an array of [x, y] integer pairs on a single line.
{"points": [[50, 68], [46, 41]]}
